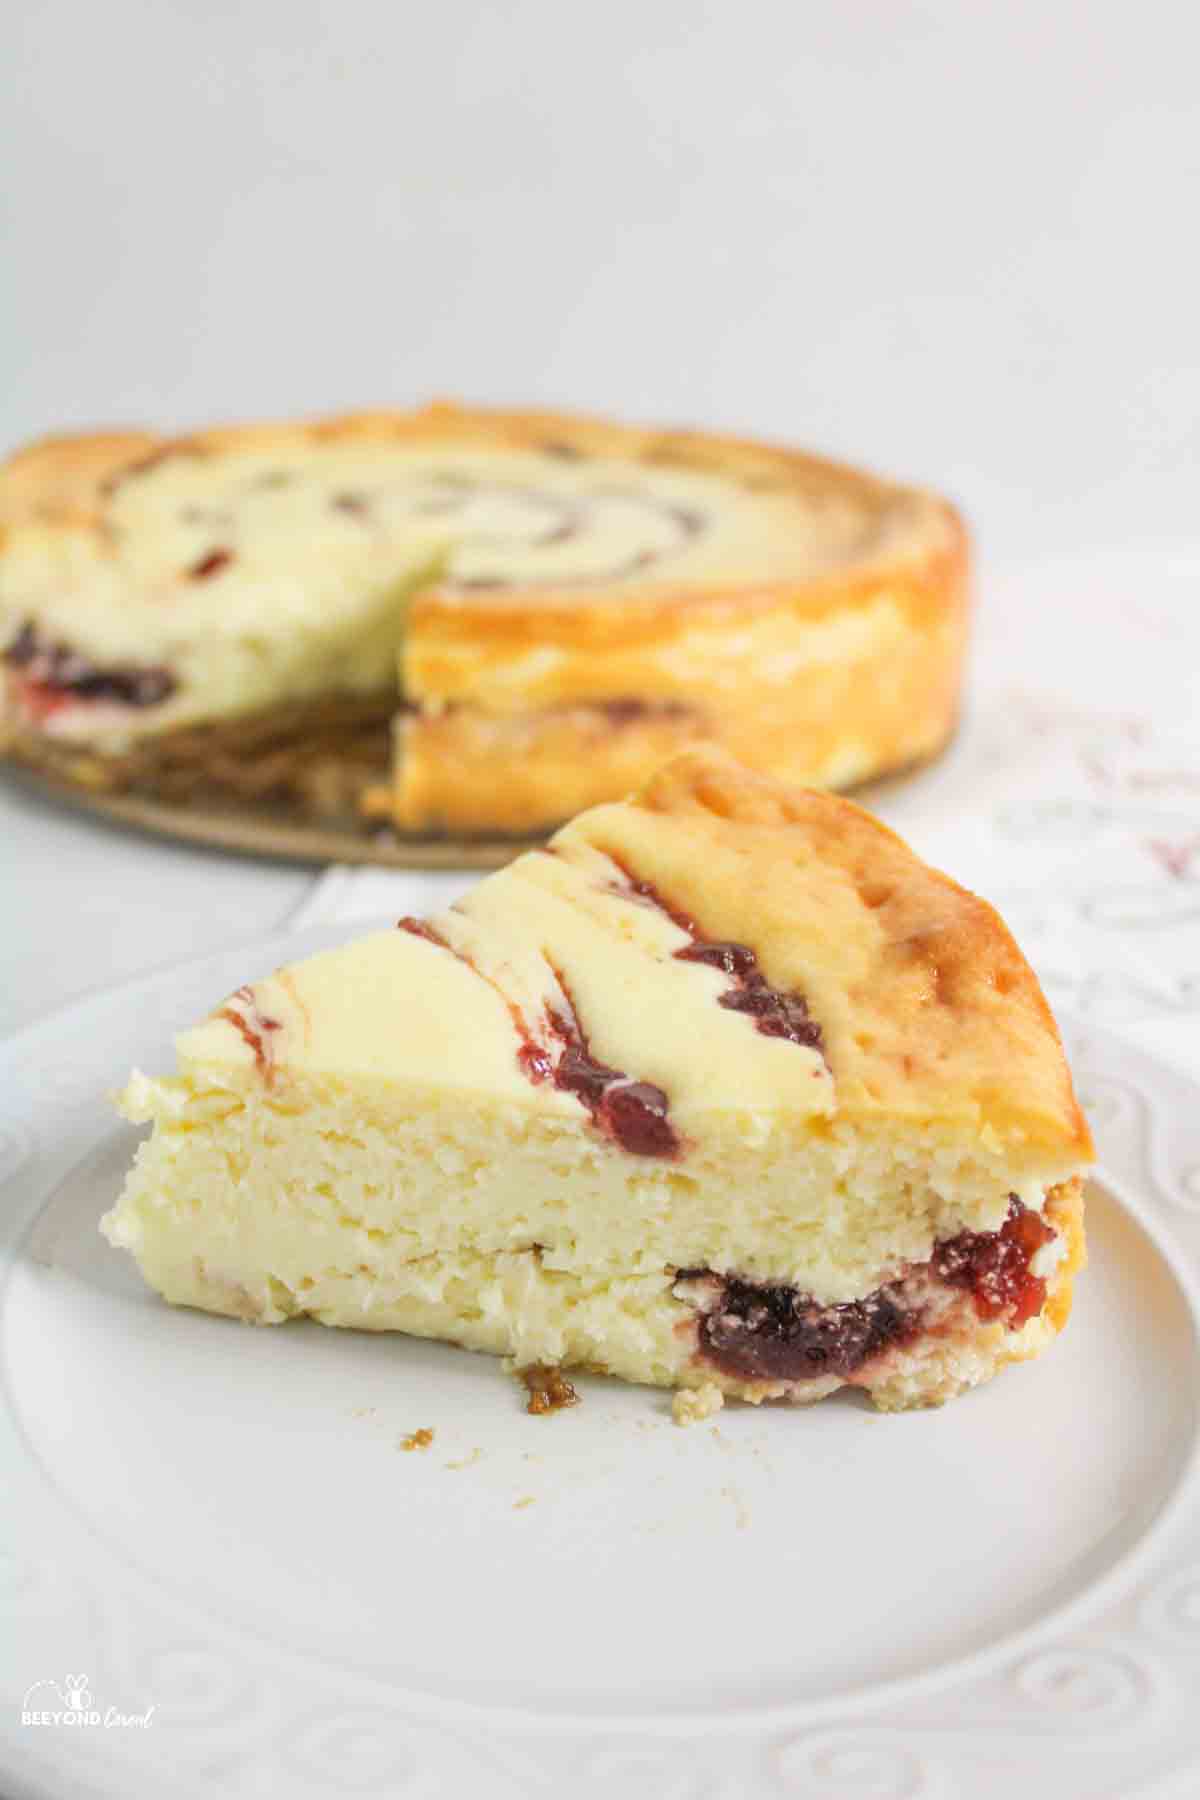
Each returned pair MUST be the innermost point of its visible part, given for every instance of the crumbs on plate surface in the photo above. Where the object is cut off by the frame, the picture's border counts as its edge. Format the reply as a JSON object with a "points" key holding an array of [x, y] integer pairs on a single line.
{"points": [[741, 1511], [418, 1440], [548, 1388], [691, 1405]]}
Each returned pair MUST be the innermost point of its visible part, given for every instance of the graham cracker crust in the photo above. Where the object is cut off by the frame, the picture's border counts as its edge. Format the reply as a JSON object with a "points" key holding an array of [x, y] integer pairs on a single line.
{"points": [[308, 759]]}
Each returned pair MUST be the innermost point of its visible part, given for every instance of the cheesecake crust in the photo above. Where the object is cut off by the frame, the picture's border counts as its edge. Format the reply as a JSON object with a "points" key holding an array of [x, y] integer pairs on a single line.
{"points": [[310, 760]]}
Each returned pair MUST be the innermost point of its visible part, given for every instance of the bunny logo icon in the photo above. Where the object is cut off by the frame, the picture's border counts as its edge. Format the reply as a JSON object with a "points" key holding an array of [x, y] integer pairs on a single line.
{"points": [[75, 1693]]}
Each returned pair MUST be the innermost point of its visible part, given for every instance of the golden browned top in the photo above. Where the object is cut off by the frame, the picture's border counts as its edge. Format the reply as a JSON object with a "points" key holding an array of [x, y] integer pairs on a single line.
{"points": [[925, 1003], [63, 480]]}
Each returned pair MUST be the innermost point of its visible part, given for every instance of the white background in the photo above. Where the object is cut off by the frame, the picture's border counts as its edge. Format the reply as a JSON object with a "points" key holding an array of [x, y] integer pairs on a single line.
{"points": [[954, 240]]}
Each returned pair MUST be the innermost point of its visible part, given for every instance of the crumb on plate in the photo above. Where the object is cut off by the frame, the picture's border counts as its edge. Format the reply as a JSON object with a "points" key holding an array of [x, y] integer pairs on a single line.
{"points": [[548, 1388], [691, 1405]]}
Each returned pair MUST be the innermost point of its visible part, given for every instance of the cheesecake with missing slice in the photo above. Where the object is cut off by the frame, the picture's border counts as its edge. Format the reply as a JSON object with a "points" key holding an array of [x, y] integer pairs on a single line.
{"points": [[725, 1089], [458, 621]]}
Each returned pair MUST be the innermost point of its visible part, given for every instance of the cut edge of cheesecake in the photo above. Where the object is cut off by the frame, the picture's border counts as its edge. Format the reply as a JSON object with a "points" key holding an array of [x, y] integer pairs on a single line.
{"points": [[489, 740], [725, 1089]]}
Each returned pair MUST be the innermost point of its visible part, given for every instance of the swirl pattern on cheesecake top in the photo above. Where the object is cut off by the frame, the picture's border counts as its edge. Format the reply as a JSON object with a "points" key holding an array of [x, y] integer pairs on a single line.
{"points": [[555, 526]]}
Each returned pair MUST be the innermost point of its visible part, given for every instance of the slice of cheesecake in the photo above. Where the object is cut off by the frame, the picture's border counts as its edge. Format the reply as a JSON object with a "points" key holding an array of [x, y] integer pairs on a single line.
{"points": [[723, 1089], [464, 621]]}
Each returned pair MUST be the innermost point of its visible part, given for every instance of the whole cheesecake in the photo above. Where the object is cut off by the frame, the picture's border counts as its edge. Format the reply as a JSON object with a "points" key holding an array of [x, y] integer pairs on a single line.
{"points": [[461, 621], [723, 1091]]}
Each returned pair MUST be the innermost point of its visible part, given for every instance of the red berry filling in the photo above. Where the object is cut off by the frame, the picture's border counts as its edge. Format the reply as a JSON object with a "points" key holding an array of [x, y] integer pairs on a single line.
{"points": [[994, 1265], [632, 1113], [776, 1013], [242, 1012], [211, 564], [762, 1333], [53, 675], [755, 1331]]}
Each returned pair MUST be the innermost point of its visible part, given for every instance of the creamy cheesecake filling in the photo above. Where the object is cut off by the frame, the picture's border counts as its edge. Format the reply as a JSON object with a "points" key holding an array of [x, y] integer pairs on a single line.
{"points": [[761, 1331], [757, 1340], [272, 1176]]}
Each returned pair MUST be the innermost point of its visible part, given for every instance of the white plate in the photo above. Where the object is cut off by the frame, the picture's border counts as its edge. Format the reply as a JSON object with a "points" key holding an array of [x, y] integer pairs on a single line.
{"points": [[219, 1524]]}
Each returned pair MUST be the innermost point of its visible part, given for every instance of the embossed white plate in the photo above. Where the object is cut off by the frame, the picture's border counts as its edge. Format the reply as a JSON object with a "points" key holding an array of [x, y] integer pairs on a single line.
{"points": [[218, 1527]]}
